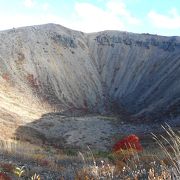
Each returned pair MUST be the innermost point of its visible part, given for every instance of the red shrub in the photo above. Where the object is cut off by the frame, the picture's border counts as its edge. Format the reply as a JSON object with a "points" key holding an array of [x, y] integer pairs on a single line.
{"points": [[7, 167], [3, 176], [44, 162], [129, 142]]}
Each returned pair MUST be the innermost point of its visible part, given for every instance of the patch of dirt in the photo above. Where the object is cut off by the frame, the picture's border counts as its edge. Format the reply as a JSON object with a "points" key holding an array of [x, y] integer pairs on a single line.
{"points": [[98, 132]]}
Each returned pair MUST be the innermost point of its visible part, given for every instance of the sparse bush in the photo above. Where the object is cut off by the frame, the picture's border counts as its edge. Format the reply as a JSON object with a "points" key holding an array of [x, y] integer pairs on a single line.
{"points": [[129, 164]]}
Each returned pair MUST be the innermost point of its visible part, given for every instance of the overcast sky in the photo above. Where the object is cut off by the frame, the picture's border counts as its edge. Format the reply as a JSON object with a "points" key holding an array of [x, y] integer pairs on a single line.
{"points": [[141, 16]]}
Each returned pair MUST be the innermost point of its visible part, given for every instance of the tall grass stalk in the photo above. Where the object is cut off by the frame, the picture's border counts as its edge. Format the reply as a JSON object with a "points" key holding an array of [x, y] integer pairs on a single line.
{"points": [[170, 146]]}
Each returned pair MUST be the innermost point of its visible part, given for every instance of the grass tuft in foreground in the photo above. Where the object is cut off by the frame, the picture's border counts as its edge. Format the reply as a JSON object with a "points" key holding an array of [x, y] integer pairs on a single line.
{"points": [[131, 164]]}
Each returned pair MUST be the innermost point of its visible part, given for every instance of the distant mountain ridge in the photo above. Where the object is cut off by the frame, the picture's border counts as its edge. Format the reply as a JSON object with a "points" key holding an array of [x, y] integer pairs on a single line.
{"points": [[58, 68]]}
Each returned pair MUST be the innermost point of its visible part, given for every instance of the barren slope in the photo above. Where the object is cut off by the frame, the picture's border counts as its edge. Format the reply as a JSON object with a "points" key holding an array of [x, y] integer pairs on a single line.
{"points": [[140, 72], [54, 65]]}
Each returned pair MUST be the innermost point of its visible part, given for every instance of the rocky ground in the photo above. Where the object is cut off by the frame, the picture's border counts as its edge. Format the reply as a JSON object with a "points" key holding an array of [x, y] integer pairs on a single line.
{"points": [[99, 132]]}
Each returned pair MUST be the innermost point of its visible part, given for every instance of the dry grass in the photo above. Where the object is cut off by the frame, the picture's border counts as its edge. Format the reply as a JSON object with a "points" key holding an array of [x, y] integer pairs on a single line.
{"points": [[138, 166], [18, 148], [24, 151], [126, 166], [170, 146], [94, 170]]}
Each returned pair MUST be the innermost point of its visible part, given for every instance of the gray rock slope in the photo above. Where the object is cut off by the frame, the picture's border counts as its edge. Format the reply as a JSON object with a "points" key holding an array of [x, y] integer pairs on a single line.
{"points": [[58, 68]]}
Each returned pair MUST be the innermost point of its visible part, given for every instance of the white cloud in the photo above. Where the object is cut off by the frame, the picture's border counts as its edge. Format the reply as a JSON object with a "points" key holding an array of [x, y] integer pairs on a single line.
{"points": [[45, 6], [91, 18], [170, 21], [119, 8], [115, 16], [85, 17], [32, 3], [29, 3], [20, 20]]}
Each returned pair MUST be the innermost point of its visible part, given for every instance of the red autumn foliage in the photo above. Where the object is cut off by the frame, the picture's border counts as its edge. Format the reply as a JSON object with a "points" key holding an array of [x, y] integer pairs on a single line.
{"points": [[7, 167], [129, 142], [44, 162], [32, 80], [3, 176], [5, 76]]}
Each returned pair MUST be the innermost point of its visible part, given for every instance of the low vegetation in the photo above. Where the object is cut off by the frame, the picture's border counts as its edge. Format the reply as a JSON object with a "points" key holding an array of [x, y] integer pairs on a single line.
{"points": [[127, 160]]}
